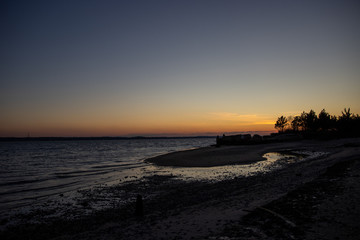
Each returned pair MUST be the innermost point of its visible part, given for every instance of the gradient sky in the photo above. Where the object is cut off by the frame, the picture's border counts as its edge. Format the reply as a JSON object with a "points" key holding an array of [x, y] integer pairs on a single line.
{"points": [[110, 68]]}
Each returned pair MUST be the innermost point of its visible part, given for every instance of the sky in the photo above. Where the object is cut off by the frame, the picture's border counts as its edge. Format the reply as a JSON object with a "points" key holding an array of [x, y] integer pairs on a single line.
{"points": [[124, 68]]}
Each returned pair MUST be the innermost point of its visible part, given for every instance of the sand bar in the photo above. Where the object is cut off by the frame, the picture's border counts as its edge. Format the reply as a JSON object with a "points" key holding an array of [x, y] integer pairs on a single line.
{"points": [[243, 154]]}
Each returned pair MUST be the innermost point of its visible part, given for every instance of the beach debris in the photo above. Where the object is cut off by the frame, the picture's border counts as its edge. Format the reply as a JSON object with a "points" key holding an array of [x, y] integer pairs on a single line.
{"points": [[279, 216]]}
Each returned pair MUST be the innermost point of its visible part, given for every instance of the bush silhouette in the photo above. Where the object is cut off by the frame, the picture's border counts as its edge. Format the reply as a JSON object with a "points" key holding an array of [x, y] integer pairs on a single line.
{"points": [[281, 123]]}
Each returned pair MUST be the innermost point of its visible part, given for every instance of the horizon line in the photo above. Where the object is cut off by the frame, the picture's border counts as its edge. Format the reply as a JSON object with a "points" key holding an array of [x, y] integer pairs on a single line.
{"points": [[129, 136]]}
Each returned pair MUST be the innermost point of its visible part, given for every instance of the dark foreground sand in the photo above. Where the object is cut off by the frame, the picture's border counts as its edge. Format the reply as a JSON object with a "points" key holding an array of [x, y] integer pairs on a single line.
{"points": [[315, 199]]}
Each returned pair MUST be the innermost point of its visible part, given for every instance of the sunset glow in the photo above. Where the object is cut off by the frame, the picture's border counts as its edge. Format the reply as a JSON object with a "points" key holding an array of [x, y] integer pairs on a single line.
{"points": [[94, 68]]}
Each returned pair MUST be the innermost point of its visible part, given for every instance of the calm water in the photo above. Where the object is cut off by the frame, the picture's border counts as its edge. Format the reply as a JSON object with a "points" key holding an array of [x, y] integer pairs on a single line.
{"points": [[34, 172], [30, 171]]}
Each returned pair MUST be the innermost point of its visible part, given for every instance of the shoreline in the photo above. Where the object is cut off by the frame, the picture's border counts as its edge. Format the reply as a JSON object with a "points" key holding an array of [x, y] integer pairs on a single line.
{"points": [[213, 156], [205, 210]]}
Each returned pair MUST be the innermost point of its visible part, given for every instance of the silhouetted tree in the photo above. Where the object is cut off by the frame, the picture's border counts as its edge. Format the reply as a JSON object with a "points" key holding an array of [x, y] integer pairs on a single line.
{"points": [[344, 123], [297, 123], [281, 123], [349, 123], [303, 120], [311, 121], [356, 125], [324, 120], [289, 125], [324, 125], [333, 122], [346, 114]]}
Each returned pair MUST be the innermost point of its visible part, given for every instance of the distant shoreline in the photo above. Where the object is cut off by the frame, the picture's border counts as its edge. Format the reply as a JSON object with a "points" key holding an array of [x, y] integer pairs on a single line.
{"points": [[24, 139]]}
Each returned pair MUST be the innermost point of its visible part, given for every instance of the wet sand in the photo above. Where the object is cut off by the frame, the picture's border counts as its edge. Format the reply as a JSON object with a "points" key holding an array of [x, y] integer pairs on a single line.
{"points": [[298, 201]]}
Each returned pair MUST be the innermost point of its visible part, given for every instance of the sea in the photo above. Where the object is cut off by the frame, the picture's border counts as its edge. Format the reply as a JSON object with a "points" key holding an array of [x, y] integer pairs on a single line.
{"points": [[41, 179], [32, 171]]}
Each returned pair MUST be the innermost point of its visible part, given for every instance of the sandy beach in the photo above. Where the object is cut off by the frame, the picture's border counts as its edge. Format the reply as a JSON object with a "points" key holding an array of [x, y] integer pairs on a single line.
{"points": [[313, 199]]}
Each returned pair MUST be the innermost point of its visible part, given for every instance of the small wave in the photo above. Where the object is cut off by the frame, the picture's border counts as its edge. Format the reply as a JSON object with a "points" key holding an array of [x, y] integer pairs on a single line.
{"points": [[81, 174], [21, 182], [114, 165], [39, 189]]}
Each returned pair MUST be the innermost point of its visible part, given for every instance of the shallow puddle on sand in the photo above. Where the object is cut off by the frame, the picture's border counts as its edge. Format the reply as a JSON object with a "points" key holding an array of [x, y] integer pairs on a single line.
{"points": [[273, 157]]}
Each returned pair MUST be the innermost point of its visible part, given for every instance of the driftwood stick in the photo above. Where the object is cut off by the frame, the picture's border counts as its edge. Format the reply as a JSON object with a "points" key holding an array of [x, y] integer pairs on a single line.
{"points": [[279, 216]]}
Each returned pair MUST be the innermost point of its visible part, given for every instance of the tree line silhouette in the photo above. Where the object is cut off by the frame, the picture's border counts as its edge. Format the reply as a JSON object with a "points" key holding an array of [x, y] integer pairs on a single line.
{"points": [[321, 125]]}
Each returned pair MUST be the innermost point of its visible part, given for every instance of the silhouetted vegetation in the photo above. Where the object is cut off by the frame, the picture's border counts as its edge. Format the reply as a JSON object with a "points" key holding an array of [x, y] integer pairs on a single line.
{"points": [[281, 123], [323, 125], [307, 125]]}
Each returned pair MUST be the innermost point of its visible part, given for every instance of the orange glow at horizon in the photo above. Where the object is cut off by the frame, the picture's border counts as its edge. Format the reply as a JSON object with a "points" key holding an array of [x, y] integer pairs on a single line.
{"points": [[211, 123], [137, 122]]}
